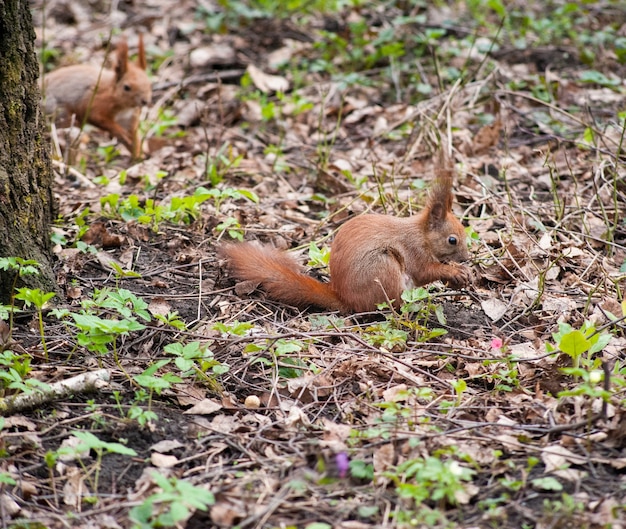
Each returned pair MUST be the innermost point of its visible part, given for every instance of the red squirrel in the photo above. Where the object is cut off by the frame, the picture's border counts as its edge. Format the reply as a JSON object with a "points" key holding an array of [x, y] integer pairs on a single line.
{"points": [[108, 99], [373, 258]]}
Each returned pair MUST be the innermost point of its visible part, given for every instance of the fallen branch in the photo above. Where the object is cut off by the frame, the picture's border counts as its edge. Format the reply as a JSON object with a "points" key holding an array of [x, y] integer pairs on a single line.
{"points": [[83, 383], [213, 77]]}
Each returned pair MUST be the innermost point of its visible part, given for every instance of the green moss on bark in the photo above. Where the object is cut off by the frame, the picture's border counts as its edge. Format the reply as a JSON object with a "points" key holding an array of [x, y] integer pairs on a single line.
{"points": [[26, 203]]}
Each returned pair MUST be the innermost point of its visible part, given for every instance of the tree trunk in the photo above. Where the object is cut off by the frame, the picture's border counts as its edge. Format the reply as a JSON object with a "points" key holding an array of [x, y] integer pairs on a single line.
{"points": [[26, 199]]}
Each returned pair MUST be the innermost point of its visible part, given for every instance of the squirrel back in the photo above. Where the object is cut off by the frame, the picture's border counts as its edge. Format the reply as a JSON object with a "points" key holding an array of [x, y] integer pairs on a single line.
{"points": [[102, 97], [373, 258]]}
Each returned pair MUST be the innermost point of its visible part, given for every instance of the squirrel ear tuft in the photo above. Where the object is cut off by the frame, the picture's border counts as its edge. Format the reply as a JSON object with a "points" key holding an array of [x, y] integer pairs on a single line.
{"points": [[121, 61], [141, 56], [440, 197]]}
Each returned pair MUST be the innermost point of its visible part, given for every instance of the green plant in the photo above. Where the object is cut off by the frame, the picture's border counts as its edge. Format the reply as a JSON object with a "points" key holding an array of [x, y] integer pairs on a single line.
{"points": [[547, 483], [48, 57], [418, 304], [21, 267], [195, 358], [86, 248], [235, 327], [172, 319], [460, 387], [576, 342], [412, 320], [109, 153], [14, 374], [318, 257], [589, 385], [88, 442], [166, 119], [172, 505], [149, 380], [560, 510], [592, 76], [232, 227], [180, 210], [217, 167], [219, 195], [430, 478], [403, 411], [123, 301], [228, 14], [96, 333], [6, 479], [386, 335], [136, 411], [361, 469], [81, 223], [281, 351], [37, 298]]}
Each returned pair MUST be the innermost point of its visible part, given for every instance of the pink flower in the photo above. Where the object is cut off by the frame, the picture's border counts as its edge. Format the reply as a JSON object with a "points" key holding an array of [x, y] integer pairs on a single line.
{"points": [[496, 344]]}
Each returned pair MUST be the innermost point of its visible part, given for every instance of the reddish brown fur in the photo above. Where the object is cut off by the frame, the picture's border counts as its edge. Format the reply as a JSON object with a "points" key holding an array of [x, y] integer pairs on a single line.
{"points": [[279, 274], [109, 99], [373, 258]]}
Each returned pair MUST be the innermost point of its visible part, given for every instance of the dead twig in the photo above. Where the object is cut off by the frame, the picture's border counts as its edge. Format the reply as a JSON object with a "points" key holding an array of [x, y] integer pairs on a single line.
{"points": [[83, 383]]}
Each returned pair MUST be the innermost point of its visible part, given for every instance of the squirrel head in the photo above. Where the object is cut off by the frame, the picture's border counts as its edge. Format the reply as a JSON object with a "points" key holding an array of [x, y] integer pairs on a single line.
{"points": [[132, 85], [444, 232]]}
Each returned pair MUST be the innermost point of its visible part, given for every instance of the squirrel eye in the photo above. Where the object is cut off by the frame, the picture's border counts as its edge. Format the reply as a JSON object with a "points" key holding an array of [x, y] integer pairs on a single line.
{"points": [[452, 240], [127, 88]]}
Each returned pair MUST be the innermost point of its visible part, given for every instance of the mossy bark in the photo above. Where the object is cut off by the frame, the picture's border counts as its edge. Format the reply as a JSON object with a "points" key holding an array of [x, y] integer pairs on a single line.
{"points": [[26, 198]]}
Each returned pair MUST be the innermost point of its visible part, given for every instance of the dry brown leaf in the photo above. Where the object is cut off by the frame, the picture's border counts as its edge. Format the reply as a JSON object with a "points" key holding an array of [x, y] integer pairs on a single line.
{"points": [[335, 434], [74, 488], [487, 136], [226, 514], [29, 488], [267, 82], [9, 506], [190, 394], [73, 292], [297, 417], [384, 457], [524, 350], [204, 407], [396, 393], [167, 445], [559, 304], [163, 461], [216, 53], [353, 524], [19, 421], [225, 423], [557, 457], [494, 308], [160, 306], [606, 512]]}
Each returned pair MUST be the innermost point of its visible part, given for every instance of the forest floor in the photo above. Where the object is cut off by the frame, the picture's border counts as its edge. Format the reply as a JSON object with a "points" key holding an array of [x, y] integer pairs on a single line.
{"points": [[498, 405]]}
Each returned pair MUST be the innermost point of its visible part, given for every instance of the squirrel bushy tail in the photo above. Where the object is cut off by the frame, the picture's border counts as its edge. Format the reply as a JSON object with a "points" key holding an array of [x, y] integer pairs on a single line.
{"points": [[279, 275]]}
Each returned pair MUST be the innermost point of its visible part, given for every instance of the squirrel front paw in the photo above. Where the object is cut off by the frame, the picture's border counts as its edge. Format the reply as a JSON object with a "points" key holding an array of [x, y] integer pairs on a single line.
{"points": [[460, 276]]}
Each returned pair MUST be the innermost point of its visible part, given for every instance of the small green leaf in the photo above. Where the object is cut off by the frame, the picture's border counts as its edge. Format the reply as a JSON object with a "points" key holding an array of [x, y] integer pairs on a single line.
{"points": [[574, 343], [547, 483]]}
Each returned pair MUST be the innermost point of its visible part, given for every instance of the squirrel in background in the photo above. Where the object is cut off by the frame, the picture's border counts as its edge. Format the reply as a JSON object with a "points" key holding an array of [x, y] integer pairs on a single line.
{"points": [[108, 99], [373, 258]]}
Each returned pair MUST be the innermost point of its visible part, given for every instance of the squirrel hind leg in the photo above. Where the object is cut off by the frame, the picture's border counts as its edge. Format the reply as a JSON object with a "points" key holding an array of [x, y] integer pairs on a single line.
{"points": [[380, 278]]}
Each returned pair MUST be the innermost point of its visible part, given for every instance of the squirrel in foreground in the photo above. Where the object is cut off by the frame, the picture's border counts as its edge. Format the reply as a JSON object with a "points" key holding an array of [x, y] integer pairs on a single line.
{"points": [[373, 258], [108, 99]]}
